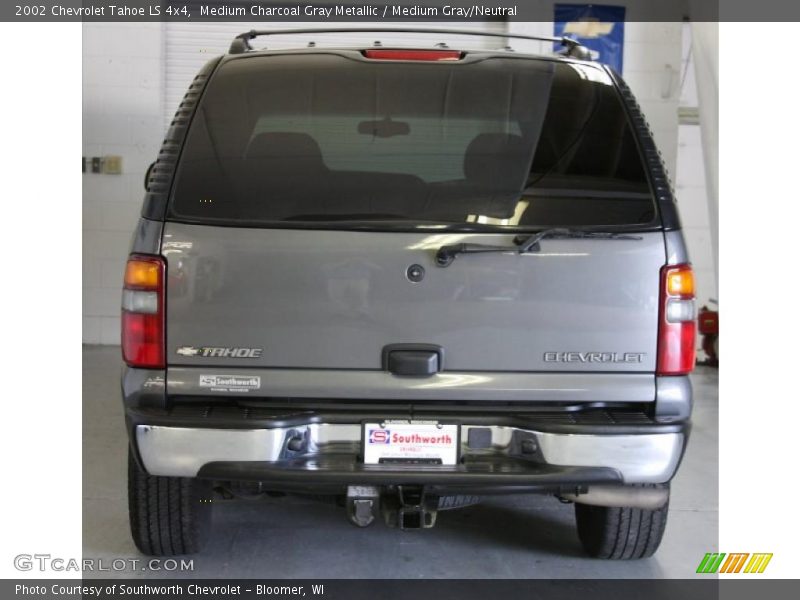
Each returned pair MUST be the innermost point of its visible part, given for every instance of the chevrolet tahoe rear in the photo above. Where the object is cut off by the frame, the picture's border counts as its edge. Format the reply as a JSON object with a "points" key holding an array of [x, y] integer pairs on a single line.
{"points": [[408, 278]]}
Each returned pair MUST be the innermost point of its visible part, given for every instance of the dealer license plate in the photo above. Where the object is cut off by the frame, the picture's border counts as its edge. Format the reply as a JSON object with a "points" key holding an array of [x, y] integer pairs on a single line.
{"points": [[421, 442]]}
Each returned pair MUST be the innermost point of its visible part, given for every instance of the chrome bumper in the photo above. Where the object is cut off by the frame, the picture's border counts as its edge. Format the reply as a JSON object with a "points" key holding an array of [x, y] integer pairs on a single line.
{"points": [[183, 451]]}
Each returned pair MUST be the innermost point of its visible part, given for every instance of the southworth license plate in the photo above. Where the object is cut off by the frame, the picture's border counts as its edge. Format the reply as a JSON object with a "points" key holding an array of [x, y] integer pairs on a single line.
{"points": [[426, 442]]}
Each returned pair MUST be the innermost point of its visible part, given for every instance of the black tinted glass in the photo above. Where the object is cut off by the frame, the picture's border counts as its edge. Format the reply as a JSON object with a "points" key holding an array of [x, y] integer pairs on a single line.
{"points": [[325, 138]]}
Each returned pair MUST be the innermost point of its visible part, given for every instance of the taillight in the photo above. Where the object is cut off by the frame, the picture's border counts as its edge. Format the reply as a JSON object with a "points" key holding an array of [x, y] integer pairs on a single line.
{"points": [[430, 55], [143, 312], [677, 325]]}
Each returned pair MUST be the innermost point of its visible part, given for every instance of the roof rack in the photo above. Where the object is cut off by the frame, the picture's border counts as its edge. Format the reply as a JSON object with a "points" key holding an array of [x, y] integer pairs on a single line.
{"points": [[573, 48]]}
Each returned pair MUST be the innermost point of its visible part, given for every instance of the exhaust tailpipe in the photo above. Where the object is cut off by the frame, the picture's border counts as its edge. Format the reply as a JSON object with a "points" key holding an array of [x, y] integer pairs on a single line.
{"points": [[647, 498]]}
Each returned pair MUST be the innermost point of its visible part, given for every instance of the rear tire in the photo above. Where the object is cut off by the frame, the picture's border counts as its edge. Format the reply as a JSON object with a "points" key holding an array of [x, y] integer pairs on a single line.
{"points": [[620, 533], [168, 515]]}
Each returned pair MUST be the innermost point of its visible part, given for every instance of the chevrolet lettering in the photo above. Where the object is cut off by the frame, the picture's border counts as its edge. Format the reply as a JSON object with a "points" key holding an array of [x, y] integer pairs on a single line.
{"points": [[594, 357]]}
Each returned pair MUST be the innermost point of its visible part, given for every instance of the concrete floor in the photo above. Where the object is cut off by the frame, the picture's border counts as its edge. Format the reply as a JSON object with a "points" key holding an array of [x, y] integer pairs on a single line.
{"points": [[504, 537]]}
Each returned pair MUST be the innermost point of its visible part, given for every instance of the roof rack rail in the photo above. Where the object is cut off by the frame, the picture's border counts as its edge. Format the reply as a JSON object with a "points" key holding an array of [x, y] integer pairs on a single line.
{"points": [[573, 48]]}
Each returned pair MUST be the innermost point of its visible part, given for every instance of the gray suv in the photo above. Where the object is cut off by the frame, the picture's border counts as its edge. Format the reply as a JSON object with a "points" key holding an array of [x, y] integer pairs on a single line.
{"points": [[407, 278]]}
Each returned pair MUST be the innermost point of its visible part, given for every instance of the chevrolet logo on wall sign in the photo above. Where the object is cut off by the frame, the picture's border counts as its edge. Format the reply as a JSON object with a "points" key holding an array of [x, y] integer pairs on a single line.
{"points": [[713, 563], [589, 29]]}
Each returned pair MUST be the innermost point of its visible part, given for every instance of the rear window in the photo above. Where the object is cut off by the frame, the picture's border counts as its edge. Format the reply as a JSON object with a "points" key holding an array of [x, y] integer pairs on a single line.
{"points": [[327, 139]]}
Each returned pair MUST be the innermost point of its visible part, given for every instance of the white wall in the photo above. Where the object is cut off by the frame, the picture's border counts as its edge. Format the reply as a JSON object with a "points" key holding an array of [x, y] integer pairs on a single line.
{"points": [[705, 43], [651, 67], [122, 107], [697, 213], [690, 189]]}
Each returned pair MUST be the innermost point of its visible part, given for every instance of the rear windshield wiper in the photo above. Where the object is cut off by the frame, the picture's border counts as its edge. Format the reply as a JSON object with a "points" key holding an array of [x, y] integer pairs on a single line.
{"points": [[524, 244]]}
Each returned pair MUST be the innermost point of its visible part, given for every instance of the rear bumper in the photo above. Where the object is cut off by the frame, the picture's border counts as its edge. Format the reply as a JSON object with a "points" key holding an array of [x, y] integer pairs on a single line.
{"points": [[519, 457]]}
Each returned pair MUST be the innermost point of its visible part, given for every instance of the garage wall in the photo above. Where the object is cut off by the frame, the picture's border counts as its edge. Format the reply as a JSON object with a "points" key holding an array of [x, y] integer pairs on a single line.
{"points": [[134, 76], [690, 181], [705, 57], [122, 115]]}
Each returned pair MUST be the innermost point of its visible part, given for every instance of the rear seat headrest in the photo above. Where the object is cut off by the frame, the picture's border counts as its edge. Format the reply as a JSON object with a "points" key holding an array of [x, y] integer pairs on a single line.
{"points": [[497, 159], [298, 150]]}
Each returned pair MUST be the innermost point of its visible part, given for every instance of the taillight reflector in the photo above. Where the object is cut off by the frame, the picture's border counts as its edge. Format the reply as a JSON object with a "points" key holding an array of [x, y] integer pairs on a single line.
{"points": [[143, 339], [429, 55], [677, 325]]}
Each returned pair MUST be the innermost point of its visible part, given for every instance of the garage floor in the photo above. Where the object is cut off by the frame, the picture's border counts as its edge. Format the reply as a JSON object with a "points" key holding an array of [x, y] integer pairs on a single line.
{"points": [[505, 537]]}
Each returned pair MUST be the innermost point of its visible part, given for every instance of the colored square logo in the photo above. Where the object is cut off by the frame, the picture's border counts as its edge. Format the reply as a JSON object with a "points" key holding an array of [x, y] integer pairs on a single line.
{"points": [[378, 436]]}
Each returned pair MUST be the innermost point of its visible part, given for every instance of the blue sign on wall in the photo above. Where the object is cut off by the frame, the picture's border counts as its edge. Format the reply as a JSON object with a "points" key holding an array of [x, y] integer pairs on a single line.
{"points": [[599, 28]]}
